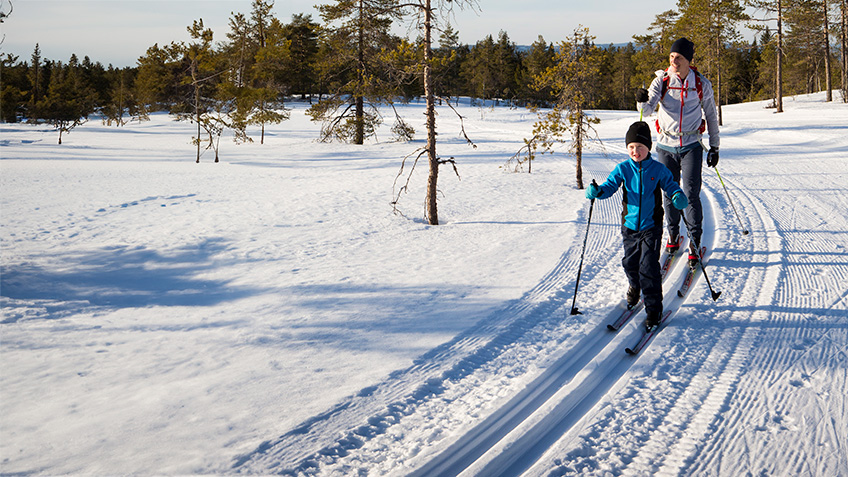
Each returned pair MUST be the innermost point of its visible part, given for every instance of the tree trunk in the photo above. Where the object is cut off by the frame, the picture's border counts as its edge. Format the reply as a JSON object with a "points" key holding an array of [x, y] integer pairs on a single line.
{"points": [[432, 180], [828, 84], [360, 106], [779, 79], [718, 79], [263, 107], [844, 25], [196, 85], [579, 152]]}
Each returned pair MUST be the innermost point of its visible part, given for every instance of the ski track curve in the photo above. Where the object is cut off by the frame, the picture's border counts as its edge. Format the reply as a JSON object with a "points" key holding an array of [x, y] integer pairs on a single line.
{"points": [[697, 397], [605, 375], [559, 397], [319, 445], [802, 325], [460, 451]]}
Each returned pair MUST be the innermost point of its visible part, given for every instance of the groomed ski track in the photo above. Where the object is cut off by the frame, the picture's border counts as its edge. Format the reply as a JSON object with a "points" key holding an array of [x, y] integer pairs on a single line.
{"points": [[588, 363], [747, 385], [519, 433]]}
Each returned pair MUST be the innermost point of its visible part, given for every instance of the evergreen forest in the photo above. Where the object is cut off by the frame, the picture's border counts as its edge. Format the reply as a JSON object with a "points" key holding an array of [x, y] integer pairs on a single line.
{"points": [[351, 69]]}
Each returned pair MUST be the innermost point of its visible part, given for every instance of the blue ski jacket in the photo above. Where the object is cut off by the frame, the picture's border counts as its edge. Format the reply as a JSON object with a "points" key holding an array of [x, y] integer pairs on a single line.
{"points": [[644, 182]]}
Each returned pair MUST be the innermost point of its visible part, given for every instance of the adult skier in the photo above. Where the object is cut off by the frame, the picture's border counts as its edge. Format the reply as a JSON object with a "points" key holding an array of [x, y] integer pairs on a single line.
{"points": [[686, 109]]}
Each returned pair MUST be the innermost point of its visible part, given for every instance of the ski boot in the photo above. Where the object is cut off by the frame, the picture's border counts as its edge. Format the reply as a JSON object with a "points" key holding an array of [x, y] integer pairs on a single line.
{"points": [[633, 297], [653, 320], [693, 258], [673, 245]]}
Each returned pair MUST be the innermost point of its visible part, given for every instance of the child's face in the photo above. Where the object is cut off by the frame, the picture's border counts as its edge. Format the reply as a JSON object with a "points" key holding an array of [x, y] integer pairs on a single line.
{"points": [[638, 151]]}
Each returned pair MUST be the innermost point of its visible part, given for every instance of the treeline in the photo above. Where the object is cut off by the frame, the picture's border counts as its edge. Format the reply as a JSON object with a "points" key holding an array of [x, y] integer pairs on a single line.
{"points": [[262, 61]]}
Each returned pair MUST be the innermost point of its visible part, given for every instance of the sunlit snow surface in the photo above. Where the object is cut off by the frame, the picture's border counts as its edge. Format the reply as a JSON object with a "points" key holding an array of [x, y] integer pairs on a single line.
{"points": [[271, 314]]}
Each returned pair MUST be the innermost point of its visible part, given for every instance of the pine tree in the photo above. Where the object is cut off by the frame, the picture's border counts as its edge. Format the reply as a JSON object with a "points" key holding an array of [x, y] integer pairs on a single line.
{"points": [[263, 103], [257, 54], [158, 79], [200, 104], [358, 31], [575, 85], [69, 100], [826, 43], [537, 61], [14, 85], [121, 99], [772, 10], [805, 49], [711, 24]]}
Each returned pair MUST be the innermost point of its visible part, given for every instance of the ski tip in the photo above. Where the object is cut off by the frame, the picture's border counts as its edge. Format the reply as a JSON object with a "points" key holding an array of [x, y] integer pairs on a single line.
{"points": [[629, 351], [612, 328], [679, 293]]}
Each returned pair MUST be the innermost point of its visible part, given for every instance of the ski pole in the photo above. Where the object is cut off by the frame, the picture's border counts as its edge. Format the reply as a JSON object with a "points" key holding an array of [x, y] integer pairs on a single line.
{"points": [[714, 294], [744, 230], [574, 310], [640, 109]]}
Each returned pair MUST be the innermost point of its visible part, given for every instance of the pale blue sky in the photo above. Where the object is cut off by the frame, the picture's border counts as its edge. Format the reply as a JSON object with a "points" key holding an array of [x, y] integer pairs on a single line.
{"points": [[120, 31]]}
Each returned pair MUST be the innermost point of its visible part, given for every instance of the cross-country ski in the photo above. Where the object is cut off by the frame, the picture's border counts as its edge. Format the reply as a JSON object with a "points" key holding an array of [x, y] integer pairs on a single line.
{"points": [[648, 334], [691, 275], [667, 260]]}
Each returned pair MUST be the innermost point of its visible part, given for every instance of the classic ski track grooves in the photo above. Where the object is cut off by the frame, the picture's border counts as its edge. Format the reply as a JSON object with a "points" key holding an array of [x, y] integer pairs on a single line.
{"points": [[553, 420], [333, 435], [788, 340], [586, 372]]}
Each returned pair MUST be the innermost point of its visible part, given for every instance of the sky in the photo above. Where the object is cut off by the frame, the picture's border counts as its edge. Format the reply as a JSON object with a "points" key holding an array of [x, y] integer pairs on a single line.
{"points": [[118, 32]]}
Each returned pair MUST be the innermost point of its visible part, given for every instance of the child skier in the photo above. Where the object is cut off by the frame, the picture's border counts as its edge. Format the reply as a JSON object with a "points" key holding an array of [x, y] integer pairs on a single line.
{"points": [[642, 217]]}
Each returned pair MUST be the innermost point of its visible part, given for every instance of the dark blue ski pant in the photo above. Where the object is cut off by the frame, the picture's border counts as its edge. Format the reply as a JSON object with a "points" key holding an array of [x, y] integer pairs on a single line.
{"points": [[685, 165], [642, 264]]}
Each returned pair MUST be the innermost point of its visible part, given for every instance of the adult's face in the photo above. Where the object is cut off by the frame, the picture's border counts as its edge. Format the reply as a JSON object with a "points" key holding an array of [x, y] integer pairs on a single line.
{"points": [[678, 63]]}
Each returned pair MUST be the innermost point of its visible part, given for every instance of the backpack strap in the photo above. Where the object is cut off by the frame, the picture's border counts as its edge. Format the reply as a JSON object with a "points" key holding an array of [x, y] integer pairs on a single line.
{"points": [[698, 86]]}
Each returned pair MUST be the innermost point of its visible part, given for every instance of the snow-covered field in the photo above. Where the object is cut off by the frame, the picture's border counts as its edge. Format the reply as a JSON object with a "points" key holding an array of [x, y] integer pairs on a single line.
{"points": [[271, 314]]}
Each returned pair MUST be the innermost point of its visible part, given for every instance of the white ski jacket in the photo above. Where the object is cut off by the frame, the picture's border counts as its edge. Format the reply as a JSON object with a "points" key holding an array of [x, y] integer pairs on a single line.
{"points": [[682, 114]]}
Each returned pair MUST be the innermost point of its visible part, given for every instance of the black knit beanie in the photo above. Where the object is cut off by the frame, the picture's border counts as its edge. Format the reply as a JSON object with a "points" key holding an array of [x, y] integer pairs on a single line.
{"points": [[685, 48], [639, 132]]}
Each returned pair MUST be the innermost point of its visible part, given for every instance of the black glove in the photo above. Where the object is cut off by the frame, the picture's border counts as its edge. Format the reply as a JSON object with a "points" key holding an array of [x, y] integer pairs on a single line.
{"points": [[712, 157], [641, 95]]}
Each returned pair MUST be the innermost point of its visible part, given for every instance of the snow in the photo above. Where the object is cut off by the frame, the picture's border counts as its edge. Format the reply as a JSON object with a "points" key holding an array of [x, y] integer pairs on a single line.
{"points": [[271, 314]]}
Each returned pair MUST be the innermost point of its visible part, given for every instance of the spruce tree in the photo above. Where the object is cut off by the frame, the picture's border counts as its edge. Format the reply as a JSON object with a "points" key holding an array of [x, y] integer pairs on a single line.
{"points": [[14, 87], [302, 36]]}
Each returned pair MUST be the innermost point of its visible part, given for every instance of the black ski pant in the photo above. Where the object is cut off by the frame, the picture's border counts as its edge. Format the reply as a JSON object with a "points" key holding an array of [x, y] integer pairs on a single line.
{"points": [[685, 167], [642, 264]]}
